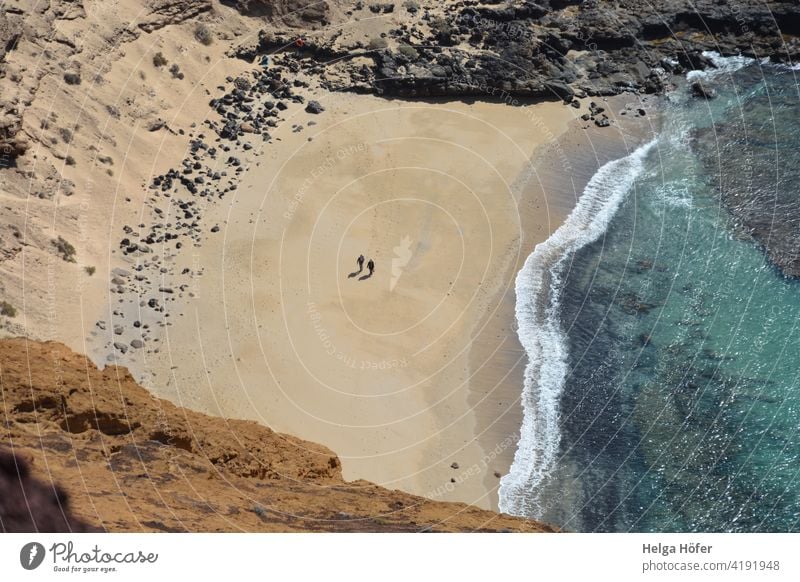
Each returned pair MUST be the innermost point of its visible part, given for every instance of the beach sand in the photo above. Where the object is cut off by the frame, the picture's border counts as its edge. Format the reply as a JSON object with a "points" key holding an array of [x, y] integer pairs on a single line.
{"points": [[379, 370]]}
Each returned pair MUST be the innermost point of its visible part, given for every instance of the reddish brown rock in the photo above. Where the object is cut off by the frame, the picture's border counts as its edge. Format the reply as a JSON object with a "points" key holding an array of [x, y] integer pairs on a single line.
{"points": [[131, 462]]}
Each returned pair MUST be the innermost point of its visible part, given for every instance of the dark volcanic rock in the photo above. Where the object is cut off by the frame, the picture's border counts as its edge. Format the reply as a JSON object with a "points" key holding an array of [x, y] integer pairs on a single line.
{"points": [[314, 107], [630, 46], [563, 90], [295, 13], [162, 13], [699, 89]]}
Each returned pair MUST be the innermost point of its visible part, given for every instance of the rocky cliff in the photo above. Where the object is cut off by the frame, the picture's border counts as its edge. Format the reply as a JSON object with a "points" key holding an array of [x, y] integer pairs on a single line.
{"points": [[545, 49], [121, 460]]}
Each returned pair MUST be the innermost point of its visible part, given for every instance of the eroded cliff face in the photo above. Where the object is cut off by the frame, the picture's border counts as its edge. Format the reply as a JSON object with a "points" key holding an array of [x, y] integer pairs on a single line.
{"points": [[87, 111], [119, 459]]}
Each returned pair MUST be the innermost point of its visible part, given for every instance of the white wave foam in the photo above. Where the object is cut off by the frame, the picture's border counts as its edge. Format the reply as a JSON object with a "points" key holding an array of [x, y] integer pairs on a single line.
{"points": [[785, 67], [674, 194], [538, 288], [724, 66]]}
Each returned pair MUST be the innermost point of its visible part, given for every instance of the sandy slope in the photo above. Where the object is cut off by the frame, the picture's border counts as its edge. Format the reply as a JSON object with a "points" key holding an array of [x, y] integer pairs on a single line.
{"points": [[85, 186]]}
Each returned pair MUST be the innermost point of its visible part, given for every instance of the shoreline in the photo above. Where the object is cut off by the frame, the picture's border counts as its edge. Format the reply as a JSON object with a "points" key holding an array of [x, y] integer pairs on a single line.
{"points": [[583, 148]]}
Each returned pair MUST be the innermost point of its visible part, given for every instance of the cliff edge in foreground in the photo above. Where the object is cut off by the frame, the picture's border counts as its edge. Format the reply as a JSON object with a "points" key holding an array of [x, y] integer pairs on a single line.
{"points": [[126, 461]]}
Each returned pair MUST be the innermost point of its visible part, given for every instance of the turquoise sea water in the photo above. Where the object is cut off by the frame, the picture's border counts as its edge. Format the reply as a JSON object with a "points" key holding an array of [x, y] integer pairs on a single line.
{"points": [[663, 391]]}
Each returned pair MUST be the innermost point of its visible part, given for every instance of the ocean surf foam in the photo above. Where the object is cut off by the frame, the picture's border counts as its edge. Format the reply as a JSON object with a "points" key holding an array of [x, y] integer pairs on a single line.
{"points": [[724, 66], [538, 289]]}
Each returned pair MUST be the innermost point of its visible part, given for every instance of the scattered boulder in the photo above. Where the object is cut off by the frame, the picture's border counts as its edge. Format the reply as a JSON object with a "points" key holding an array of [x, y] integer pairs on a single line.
{"points": [[700, 90], [314, 107], [72, 78], [595, 109], [242, 84]]}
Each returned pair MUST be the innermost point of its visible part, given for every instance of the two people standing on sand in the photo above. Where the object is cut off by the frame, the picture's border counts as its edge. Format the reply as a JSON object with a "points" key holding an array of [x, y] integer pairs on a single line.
{"points": [[370, 268]]}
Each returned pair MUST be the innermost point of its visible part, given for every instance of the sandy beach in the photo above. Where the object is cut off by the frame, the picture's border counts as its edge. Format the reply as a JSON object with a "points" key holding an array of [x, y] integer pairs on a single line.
{"points": [[381, 370]]}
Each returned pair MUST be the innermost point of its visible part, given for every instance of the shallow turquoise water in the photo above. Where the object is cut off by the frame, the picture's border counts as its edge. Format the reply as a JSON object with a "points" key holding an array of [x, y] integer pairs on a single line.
{"points": [[680, 410]]}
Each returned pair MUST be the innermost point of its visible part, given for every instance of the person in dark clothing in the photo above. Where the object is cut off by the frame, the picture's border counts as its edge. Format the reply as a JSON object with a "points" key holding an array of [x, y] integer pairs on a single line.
{"points": [[370, 268]]}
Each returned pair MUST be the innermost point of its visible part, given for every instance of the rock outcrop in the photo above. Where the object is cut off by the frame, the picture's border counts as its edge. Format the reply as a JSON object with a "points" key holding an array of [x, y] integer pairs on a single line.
{"points": [[554, 49], [161, 13], [131, 462], [294, 13], [756, 166], [12, 145]]}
